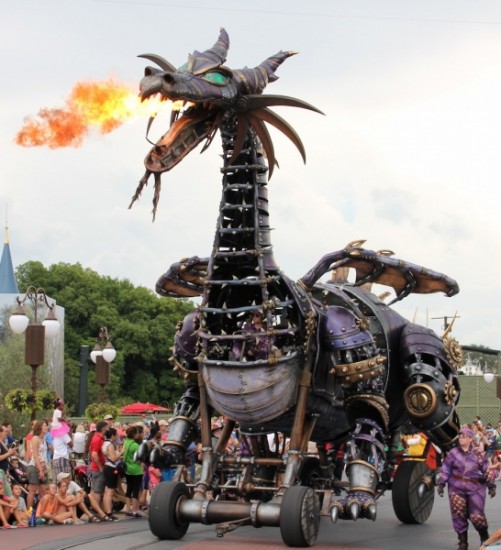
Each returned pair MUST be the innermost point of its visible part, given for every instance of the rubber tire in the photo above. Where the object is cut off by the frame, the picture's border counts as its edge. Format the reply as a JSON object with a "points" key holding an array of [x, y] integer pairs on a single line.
{"points": [[408, 507], [300, 516], [162, 513]]}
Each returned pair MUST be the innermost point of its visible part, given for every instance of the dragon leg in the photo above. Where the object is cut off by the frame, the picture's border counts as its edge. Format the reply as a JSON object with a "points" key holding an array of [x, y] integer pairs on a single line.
{"points": [[365, 461]]}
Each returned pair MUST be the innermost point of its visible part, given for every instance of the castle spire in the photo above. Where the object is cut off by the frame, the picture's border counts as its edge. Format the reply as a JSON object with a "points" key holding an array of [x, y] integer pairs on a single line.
{"points": [[8, 283]]}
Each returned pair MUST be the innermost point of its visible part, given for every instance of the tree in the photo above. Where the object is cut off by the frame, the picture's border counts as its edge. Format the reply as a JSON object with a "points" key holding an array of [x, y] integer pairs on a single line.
{"points": [[141, 326]]}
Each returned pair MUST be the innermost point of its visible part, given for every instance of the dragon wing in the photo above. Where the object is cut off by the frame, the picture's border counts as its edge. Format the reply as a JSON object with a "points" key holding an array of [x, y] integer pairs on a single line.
{"points": [[380, 267]]}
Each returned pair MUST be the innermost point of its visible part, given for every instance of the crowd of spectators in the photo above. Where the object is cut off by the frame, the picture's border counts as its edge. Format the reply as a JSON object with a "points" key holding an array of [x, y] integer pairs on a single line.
{"points": [[39, 472]]}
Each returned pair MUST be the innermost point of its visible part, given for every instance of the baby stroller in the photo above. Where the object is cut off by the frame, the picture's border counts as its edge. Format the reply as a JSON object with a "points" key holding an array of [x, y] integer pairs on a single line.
{"points": [[81, 474], [17, 472]]}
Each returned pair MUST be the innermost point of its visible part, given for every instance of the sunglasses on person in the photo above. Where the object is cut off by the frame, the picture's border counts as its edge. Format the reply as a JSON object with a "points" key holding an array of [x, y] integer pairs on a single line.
{"points": [[462, 436]]}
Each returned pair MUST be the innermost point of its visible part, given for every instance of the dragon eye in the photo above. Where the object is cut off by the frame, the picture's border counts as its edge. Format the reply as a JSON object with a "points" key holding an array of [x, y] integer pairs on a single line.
{"points": [[215, 77]]}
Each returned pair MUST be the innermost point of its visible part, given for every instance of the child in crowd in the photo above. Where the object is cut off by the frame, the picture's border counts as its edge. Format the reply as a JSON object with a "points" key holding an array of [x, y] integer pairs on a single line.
{"points": [[8, 509], [17, 471], [66, 511], [154, 477], [23, 515], [59, 425]]}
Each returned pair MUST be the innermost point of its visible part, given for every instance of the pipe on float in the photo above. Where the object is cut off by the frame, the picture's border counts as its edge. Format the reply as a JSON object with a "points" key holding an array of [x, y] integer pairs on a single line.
{"points": [[260, 514]]}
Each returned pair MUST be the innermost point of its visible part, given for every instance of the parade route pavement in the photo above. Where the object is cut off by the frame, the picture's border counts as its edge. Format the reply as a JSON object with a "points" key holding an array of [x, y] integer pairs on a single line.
{"points": [[386, 533]]}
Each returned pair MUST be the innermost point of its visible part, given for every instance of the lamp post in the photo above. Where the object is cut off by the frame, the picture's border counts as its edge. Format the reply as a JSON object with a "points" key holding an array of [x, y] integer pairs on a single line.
{"points": [[34, 344], [102, 357]]}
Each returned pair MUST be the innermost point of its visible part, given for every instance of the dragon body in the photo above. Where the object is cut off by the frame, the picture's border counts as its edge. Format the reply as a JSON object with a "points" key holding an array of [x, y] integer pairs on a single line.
{"points": [[332, 363]]}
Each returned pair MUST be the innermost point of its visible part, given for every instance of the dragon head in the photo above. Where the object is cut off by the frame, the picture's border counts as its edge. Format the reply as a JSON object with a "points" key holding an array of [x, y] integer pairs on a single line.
{"points": [[209, 91]]}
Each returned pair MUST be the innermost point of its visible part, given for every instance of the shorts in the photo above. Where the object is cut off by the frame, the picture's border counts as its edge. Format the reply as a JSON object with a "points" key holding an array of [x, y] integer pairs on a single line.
{"points": [[61, 465], [110, 477], [97, 482], [33, 479], [134, 486]]}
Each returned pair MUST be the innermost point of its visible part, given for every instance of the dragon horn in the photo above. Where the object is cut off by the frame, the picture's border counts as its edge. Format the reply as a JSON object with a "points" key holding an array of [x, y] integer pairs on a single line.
{"points": [[257, 101], [201, 62], [271, 64], [160, 61], [254, 81]]}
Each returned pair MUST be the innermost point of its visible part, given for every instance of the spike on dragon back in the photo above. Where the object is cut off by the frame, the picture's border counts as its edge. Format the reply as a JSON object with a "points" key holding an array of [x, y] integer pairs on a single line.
{"points": [[323, 362]]}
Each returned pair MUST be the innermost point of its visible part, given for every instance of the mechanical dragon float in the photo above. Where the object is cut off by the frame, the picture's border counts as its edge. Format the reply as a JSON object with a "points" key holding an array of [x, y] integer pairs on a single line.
{"points": [[330, 363]]}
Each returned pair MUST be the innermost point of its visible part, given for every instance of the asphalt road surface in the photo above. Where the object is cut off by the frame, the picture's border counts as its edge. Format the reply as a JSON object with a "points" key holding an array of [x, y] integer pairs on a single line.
{"points": [[386, 533]]}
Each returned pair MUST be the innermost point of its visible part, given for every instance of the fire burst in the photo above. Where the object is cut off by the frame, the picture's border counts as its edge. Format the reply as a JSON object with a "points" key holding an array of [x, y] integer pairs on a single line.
{"points": [[104, 105]]}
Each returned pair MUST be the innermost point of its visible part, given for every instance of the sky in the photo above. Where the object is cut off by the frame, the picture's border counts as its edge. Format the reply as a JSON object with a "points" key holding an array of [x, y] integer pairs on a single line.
{"points": [[407, 155]]}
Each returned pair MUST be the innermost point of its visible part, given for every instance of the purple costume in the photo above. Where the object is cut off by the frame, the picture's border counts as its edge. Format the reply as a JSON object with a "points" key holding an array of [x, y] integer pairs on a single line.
{"points": [[466, 474]]}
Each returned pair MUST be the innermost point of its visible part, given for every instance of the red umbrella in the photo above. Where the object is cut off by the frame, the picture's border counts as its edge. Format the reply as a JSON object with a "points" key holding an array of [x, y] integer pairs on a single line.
{"points": [[143, 408]]}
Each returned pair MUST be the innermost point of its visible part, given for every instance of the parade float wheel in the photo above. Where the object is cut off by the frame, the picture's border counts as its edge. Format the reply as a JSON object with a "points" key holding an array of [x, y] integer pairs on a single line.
{"points": [[411, 505], [300, 516], [163, 516]]}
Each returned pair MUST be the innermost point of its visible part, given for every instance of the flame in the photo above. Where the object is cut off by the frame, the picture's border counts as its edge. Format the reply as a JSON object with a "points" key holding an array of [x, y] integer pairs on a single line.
{"points": [[103, 105]]}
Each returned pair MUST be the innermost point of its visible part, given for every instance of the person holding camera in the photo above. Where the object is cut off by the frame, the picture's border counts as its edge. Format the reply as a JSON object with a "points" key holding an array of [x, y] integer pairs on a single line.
{"points": [[465, 471]]}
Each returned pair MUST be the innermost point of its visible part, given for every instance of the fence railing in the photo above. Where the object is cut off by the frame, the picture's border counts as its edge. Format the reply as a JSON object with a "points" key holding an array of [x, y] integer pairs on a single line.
{"points": [[478, 398]]}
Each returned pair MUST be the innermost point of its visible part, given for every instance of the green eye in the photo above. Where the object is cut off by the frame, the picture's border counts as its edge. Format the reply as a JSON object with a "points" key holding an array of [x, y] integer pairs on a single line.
{"points": [[215, 77]]}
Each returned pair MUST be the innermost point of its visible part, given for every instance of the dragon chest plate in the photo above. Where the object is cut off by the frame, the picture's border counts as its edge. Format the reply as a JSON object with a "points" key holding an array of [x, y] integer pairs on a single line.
{"points": [[255, 391]]}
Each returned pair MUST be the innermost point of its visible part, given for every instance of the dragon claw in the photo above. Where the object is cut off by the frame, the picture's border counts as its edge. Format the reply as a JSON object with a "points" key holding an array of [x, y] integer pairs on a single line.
{"points": [[370, 511], [354, 510], [356, 505]]}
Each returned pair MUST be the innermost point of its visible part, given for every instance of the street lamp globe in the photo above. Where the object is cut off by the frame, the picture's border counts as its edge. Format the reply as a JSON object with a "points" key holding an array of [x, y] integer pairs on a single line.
{"points": [[489, 376], [95, 353], [18, 321], [52, 325], [109, 352]]}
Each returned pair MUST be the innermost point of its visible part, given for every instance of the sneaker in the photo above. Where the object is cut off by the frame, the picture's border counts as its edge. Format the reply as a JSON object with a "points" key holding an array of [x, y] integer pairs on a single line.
{"points": [[68, 521], [112, 517], [41, 521]]}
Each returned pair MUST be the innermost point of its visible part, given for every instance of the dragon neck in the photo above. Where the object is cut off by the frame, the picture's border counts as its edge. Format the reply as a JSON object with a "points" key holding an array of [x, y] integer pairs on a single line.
{"points": [[243, 233]]}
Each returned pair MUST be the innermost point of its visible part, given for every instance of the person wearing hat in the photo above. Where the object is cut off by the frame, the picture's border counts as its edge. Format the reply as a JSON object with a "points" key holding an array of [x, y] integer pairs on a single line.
{"points": [[76, 496], [465, 472]]}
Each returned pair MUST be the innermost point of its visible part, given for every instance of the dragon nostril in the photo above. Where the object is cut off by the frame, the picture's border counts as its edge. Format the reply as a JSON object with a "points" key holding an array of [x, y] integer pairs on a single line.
{"points": [[169, 78]]}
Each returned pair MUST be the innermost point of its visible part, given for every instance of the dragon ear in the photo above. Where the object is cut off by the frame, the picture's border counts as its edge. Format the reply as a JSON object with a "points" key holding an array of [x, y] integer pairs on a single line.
{"points": [[201, 62], [160, 61]]}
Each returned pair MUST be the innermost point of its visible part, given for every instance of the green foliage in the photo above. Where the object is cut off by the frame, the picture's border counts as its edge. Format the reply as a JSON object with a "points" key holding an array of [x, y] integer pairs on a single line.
{"points": [[140, 323], [97, 411], [24, 401]]}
